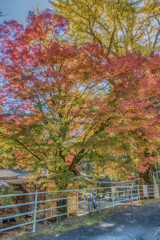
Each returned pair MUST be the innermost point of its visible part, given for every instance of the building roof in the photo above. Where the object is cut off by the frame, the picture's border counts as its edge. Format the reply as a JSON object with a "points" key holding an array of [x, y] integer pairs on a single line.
{"points": [[17, 176], [7, 174], [3, 184], [17, 181]]}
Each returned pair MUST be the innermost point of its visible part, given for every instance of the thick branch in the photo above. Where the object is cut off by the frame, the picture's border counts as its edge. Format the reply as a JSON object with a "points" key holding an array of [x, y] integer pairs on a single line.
{"points": [[76, 159], [157, 35], [27, 149]]}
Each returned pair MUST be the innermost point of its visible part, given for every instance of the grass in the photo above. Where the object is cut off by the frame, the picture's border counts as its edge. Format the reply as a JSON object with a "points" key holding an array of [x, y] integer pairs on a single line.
{"points": [[57, 228], [149, 201]]}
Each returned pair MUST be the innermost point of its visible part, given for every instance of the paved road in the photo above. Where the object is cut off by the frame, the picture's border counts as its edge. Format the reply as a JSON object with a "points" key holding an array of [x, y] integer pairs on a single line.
{"points": [[134, 223]]}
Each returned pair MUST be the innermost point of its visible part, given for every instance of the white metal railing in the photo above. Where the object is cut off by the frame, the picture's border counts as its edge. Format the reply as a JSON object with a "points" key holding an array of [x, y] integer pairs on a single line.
{"points": [[108, 196]]}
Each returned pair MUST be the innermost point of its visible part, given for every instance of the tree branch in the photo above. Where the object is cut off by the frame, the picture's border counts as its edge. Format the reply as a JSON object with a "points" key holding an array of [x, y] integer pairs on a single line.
{"points": [[27, 149]]}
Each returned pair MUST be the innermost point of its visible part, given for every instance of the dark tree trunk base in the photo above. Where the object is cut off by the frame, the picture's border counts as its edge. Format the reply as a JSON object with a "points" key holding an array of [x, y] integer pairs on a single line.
{"points": [[147, 178]]}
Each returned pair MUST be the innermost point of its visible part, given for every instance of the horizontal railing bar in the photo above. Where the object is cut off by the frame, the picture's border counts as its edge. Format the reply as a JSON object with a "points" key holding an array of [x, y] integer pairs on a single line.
{"points": [[56, 216], [12, 216], [120, 191], [23, 224], [23, 194], [43, 201], [18, 194], [127, 194], [29, 203], [64, 206], [51, 200], [88, 194], [105, 198], [103, 204], [59, 207], [133, 190], [72, 190], [120, 201], [15, 205], [117, 187]]}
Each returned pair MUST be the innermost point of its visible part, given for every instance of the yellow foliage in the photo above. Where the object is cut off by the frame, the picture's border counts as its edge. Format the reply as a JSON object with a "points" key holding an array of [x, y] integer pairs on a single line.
{"points": [[117, 25]]}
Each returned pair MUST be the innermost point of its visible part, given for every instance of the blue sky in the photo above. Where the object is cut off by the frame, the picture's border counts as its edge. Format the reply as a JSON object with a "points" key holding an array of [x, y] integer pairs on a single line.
{"points": [[15, 9]]}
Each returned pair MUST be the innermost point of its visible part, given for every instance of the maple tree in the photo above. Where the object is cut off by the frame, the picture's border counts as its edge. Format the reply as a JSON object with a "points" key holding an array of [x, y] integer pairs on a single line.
{"points": [[73, 101], [54, 91], [119, 26], [132, 122]]}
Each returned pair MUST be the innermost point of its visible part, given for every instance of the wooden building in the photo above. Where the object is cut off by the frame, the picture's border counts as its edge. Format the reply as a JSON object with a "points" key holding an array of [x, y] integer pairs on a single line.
{"points": [[16, 179]]}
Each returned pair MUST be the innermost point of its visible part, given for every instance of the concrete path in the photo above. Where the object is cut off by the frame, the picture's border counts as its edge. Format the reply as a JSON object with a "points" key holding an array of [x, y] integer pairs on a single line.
{"points": [[134, 223]]}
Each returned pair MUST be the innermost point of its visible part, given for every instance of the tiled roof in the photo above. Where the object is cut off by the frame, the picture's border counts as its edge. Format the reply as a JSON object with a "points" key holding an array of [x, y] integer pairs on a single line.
{"points": [[7, 174], [17, 181], [15, 177], [3, 184]]}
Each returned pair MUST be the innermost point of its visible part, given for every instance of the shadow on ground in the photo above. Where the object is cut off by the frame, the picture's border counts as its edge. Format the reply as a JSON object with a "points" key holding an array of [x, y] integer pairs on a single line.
{"points": [[137, 222]]}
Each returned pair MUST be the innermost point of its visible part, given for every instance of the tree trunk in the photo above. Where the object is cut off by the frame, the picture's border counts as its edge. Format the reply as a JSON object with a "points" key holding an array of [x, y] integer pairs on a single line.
{"points": [[62, 210], [147, 178], [62, 203]]}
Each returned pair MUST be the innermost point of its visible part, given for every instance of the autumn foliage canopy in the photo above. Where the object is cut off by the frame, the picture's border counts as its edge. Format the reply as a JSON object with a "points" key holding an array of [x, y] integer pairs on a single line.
{"points": [[73, 101]]}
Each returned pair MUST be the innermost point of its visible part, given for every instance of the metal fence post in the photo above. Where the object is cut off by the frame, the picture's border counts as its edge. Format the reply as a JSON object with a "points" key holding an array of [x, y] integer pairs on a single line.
{"points": [[138, 193], [84, 202], [131, 196], [112, 198], [35, 210]]}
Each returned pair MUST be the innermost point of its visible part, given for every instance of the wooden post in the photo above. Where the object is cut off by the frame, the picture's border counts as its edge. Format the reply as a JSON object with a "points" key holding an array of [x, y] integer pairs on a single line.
{"points": [[156, 192], [1, 223]]}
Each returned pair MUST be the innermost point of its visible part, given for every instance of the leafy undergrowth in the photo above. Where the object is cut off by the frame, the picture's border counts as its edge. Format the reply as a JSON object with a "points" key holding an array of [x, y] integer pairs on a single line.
{"points": [[57, 228]]}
